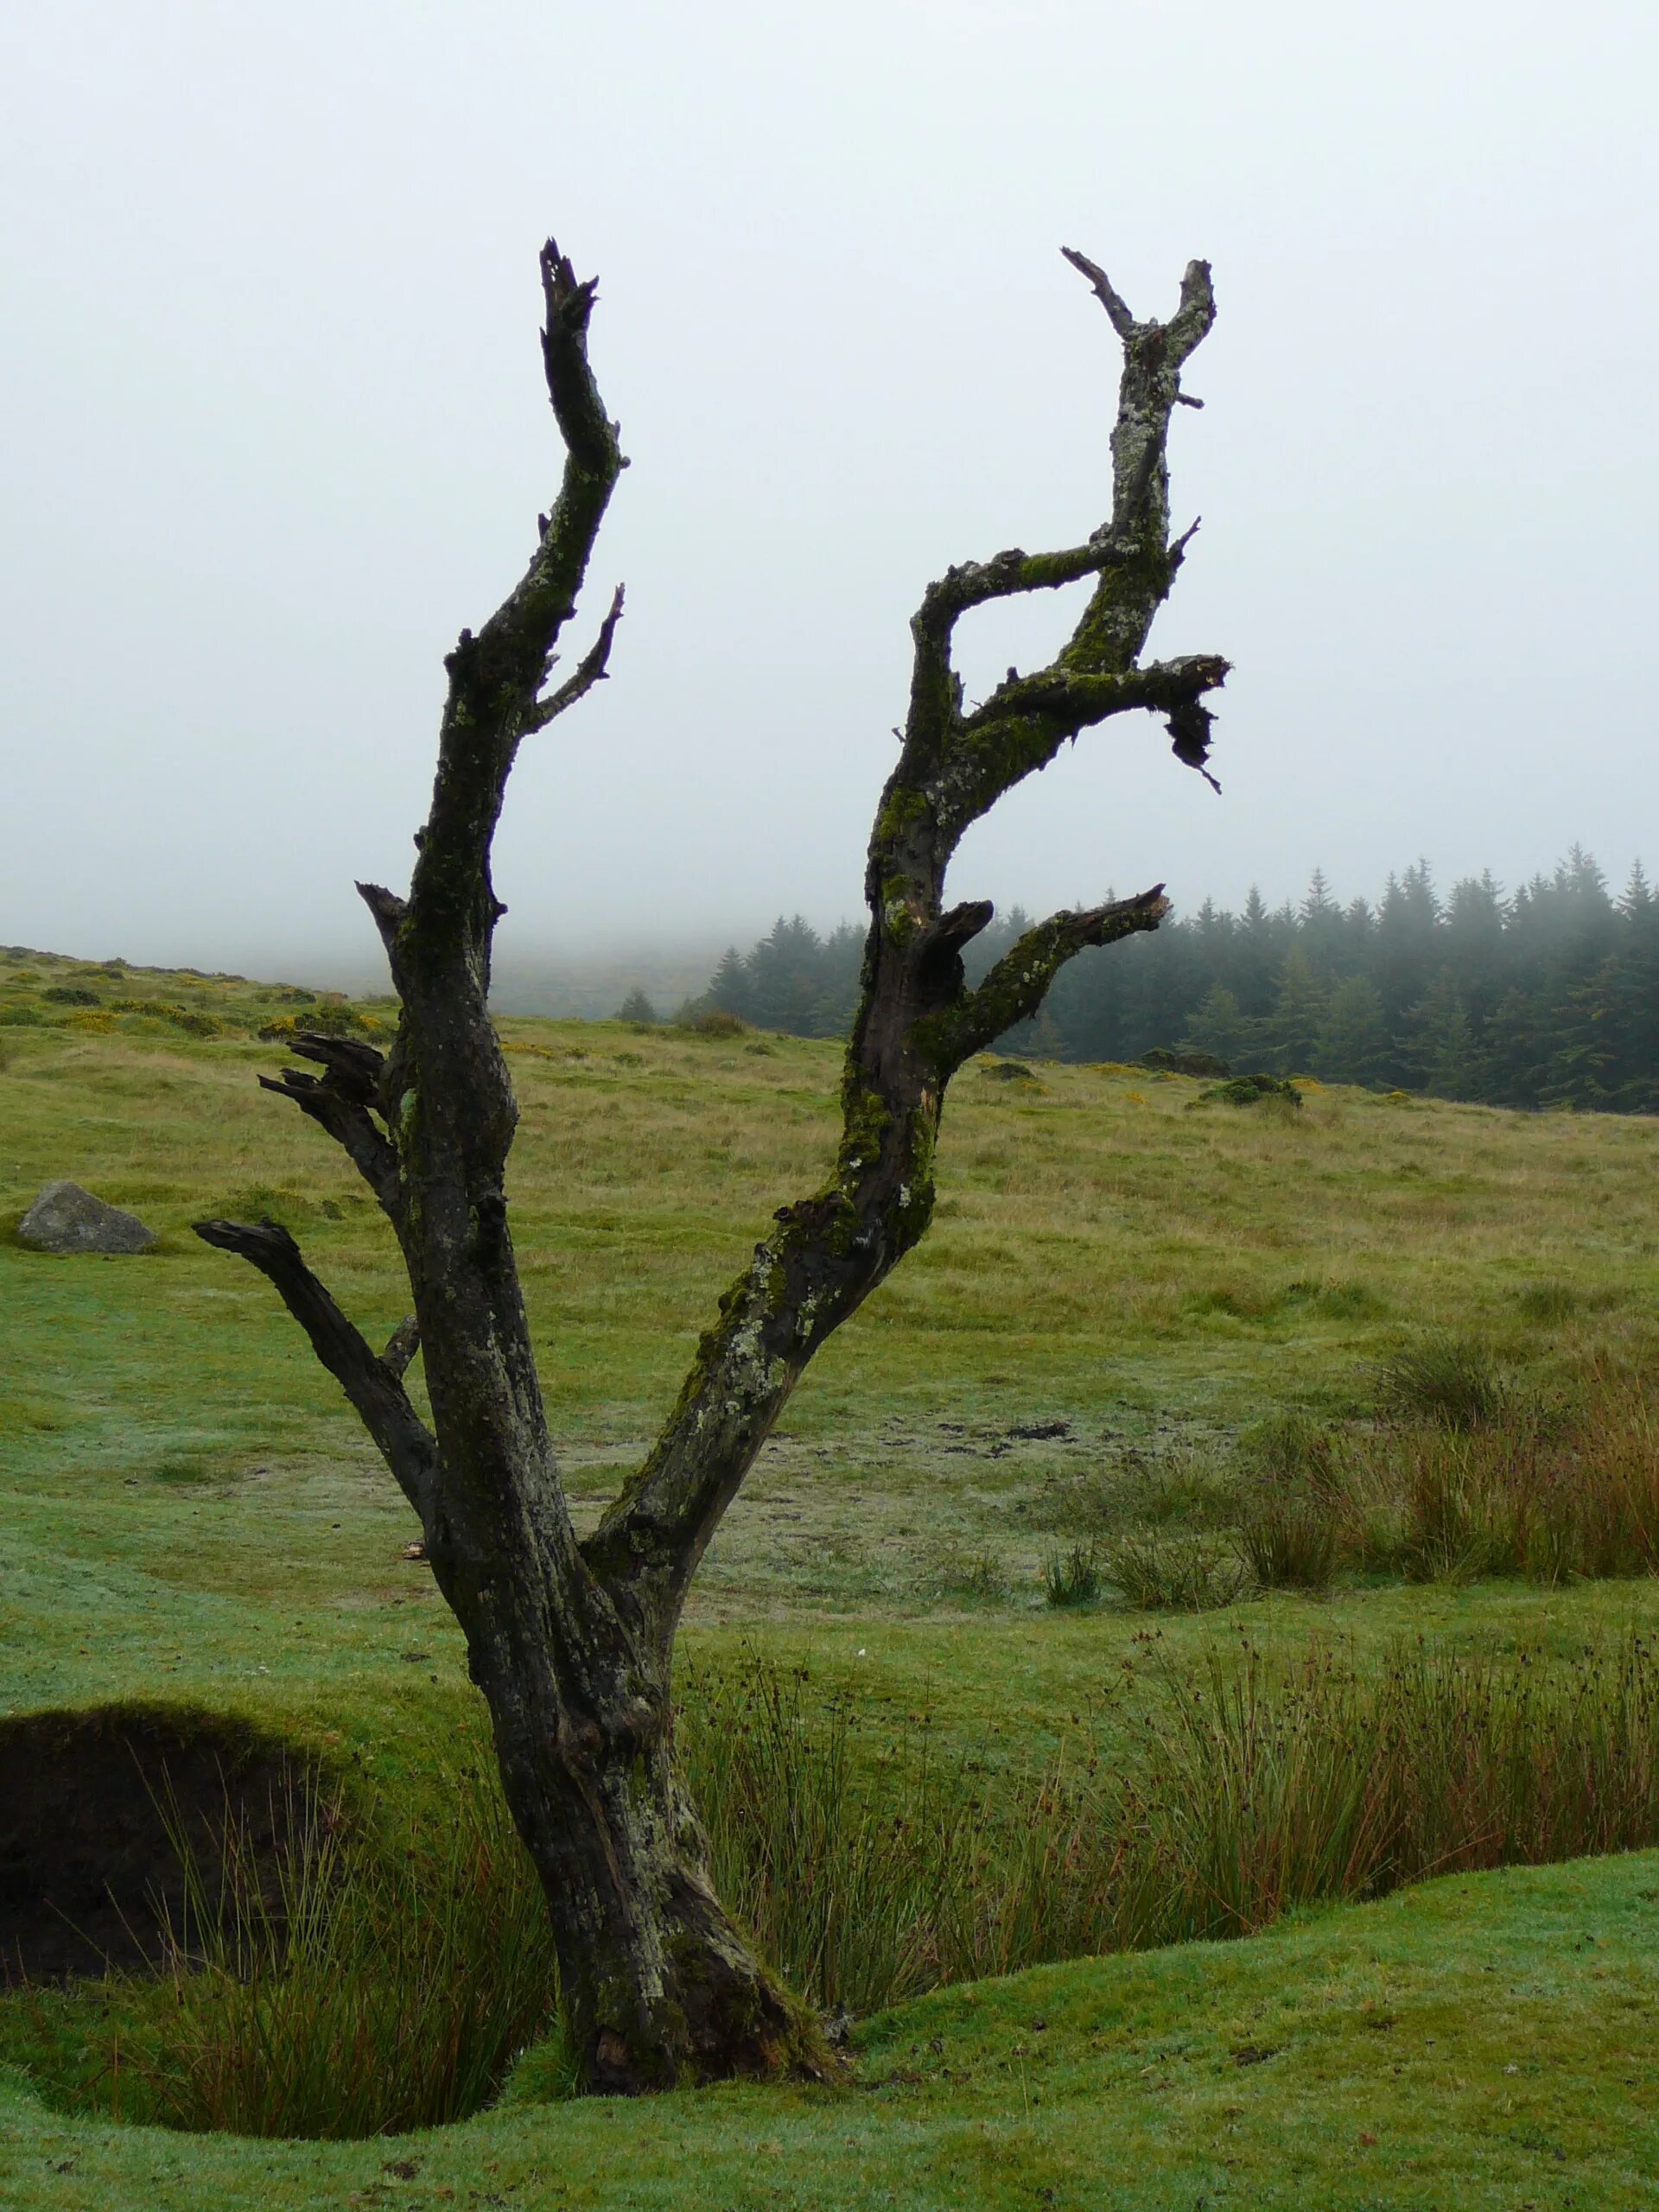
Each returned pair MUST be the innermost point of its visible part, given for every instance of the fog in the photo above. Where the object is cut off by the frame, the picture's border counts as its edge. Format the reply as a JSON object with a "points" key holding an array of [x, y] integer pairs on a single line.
{"points": [[277, 431]]}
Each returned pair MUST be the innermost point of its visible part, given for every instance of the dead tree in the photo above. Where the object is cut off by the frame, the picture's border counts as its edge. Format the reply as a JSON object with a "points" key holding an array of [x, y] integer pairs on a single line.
{"points": [[571, 1640]]}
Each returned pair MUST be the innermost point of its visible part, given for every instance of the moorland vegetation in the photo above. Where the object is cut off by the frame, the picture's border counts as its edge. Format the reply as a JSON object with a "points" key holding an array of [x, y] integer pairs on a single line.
{"points": [[1231, 1511]]}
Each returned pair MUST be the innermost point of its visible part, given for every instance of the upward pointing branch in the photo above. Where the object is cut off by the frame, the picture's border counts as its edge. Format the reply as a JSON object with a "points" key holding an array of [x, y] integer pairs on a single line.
{"points": [[496, 677], [917, 1020]]}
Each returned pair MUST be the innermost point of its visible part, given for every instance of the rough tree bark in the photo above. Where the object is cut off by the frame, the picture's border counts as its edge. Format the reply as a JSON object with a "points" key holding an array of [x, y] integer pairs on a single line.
{"points": [[571, 1641]]}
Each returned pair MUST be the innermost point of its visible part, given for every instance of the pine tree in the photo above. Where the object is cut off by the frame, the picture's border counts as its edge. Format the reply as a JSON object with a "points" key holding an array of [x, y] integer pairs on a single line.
{"points": [[1406, 952], [1437, 1044], [728, 987], [1220, 1026], [1511, 1060], [1582, 1069], [1321, 927], [636, 1007], [1293, 1028], [1352, 1044]]}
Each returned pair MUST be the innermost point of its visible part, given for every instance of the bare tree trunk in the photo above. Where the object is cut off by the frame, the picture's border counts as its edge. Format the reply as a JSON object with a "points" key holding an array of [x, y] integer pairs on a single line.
{"points": [[571, 1643]]}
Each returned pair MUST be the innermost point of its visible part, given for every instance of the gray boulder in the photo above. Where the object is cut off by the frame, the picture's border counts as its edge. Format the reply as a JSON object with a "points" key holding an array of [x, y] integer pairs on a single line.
{"points": [[66, 1218]]}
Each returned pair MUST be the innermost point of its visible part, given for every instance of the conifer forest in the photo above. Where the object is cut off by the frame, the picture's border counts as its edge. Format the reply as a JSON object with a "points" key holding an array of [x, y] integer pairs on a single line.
{"points": [[1545, 996]]}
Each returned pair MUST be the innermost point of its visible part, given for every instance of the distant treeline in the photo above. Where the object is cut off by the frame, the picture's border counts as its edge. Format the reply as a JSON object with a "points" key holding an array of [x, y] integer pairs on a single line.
{"points": [[1545, 996]]}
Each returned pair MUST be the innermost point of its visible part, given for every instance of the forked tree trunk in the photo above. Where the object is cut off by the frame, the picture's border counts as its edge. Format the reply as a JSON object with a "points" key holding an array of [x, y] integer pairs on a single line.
{"points": [[571, 1641], [657, 1984]]}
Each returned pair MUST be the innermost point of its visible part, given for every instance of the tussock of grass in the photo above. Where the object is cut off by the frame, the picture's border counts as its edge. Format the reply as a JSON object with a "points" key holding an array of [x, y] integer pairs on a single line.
{"points": [[1289, 1540], [1456, 1381], [383, 1980], [1250, 1788], [1072, 1577], [1165, 1574]]}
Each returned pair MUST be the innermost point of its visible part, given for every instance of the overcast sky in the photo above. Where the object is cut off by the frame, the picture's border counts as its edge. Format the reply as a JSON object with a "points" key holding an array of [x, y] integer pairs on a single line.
{"points": [[276, 431]]}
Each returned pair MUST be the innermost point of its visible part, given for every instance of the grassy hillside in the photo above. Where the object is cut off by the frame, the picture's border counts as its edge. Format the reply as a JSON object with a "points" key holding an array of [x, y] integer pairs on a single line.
{"points": [[1122, 1282]]}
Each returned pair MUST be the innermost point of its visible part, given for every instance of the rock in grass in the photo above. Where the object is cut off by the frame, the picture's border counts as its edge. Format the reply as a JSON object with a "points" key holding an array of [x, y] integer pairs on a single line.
{"points": [[65, 1218]]}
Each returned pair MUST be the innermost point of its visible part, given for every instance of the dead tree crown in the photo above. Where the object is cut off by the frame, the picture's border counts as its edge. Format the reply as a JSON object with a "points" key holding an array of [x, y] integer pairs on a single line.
{"points": [[569, 1639]]}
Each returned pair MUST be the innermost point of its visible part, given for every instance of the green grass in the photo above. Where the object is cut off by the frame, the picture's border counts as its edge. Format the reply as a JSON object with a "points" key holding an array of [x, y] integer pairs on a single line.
{"points": [[1122, 1286], [1482, 2042]]}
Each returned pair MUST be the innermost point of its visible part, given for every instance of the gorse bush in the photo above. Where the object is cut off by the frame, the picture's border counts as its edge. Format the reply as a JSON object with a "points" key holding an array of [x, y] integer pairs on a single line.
{"points": [[710, 1022], [330, 1018]]}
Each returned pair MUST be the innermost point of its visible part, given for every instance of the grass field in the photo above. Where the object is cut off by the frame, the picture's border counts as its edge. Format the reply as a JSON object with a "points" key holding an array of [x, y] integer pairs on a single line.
{"points": [[1123, 1283]]}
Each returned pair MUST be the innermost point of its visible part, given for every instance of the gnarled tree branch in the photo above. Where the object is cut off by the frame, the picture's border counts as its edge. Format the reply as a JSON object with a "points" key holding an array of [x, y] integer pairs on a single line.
{"points": [[917, 1020], [374, 1386], [1016, 986], [592, 669], [345, 1101]]}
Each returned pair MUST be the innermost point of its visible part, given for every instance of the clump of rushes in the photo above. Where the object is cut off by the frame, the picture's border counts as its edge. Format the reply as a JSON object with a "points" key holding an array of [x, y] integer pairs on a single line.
{"points": [[872, 1869], [388, 1984], [1288, 1541], [1455, 1380], [1072, 1577], [1170, 1574], [370, 1982], [1289, 1534]]}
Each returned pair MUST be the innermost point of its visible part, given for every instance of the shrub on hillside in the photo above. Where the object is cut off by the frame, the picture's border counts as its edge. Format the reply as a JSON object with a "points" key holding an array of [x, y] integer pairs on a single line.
{"points": [[1252, 1090], [331, 1018], [710, 1022]]}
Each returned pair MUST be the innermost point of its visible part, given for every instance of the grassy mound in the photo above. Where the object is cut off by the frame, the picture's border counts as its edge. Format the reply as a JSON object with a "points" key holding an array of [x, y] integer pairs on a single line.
{"points": [[1482, 2042]]}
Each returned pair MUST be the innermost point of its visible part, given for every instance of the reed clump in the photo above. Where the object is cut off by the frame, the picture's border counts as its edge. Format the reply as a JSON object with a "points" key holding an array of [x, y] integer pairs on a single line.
{"points": [[368, 1981], [1241, 1789], [1557, 1489], [377, 1988]]}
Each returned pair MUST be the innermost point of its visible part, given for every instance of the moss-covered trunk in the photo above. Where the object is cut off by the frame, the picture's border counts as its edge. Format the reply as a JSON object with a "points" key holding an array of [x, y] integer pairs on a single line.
{"points": [[658, 1987]]}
